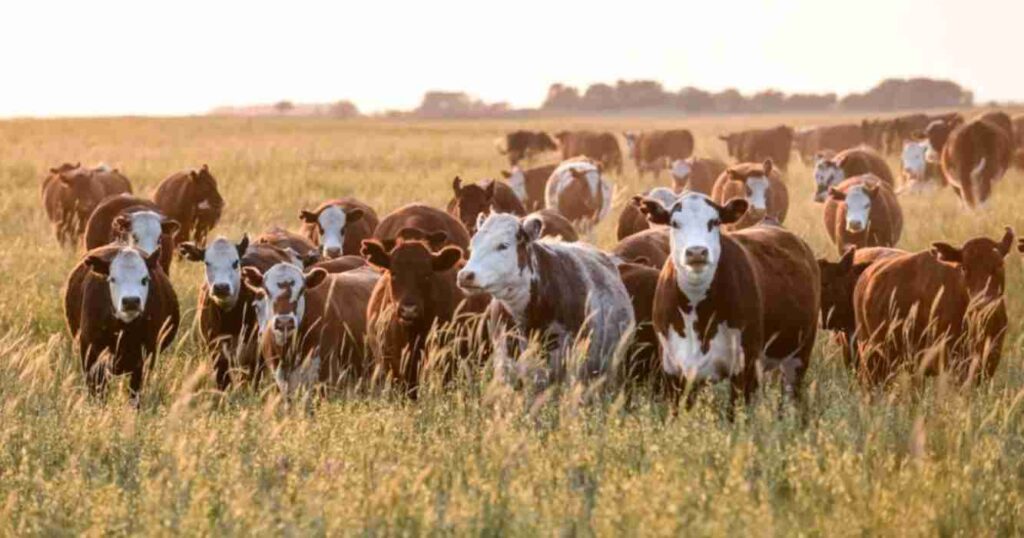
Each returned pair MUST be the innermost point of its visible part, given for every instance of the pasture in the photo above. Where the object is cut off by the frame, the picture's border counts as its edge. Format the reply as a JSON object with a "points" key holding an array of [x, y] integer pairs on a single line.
{"points": [[472, 458]]}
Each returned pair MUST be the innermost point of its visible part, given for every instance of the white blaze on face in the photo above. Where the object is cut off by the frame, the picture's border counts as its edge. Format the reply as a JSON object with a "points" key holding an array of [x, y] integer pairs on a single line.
{"points": [[517, 180], [858, 209], [146, 230], [914, 159], [284, 279], [223, 268], [128, 279], [826, 175], [695, 225], [758, 196], [681, 170], [332, 222], [494, 260]]}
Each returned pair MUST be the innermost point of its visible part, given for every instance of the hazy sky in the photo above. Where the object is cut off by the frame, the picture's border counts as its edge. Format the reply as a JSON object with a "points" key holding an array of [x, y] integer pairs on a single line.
{"points": [[144, 57]]}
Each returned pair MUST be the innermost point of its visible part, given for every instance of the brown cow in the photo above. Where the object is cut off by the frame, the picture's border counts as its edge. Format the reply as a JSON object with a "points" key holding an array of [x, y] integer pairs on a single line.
{"points": [[337, 227], [812, 141], [340, 265], [649, 247], [852, 162], [313, 324], [524, 144], [761, 185], [71, 193], [422, 217], [192, 199], [578, 190], [653, 150], [601, 147], [554, 225], [119, 304], [897, 131], [471, 201], [731, 304], [529, 185], [696, 174], [642, 362], [863, 212], [132, 220], [304, 252], [632, 220], [974, 155], [759, 144], [941, 309]]}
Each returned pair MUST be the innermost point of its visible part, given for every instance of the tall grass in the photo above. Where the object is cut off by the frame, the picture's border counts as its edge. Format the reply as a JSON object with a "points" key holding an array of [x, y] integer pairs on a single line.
{"points": [[472, 457]]}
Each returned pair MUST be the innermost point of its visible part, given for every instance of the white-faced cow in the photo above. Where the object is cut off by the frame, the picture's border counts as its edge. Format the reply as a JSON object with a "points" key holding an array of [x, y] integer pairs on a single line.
{"points": [[863, 212], [761, 185], [831, 171], [135, 221], [339, 226]]}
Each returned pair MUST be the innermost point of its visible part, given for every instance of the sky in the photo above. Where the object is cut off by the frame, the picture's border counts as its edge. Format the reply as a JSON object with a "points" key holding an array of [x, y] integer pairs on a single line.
{"points": [[98, 57]]}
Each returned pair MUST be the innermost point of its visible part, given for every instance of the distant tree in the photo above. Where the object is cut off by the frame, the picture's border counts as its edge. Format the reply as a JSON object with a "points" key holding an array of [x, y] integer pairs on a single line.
{"points": [[600, 97], [693, 99], [767, 101], [284, 107], [561, 97], [343, 109], [631, 94], [729, 101]]}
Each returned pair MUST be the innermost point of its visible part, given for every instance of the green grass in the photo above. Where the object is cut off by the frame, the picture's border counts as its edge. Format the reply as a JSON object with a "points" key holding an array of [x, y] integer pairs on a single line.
{"points": [[475, 458]]}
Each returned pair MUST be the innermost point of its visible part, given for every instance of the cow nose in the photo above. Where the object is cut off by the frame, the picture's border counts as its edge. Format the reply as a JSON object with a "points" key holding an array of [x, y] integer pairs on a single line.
{"points": [[466, 277], [333, 252], [855, 225], [408, 311], [131, 304], [284, 324], [221, 290], [696, 255]]}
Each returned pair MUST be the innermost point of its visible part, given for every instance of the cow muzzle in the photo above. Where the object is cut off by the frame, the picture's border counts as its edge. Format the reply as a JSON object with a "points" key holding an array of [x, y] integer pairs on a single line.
{"points": [[854, 226]]}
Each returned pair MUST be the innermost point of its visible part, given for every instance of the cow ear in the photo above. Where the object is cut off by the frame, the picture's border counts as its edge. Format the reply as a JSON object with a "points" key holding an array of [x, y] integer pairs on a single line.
{"points": [[846, 262], [530, 230], [733, 210], [193, 175], [153, 260], [375, 253], [169, 226], [506, 174], [253, 279], [308, 217], [447, 258], [122, 224], [243, 245], [768, 167], [944, 252], [315, 277], [734, 175], [1007, 242], [481, 218], [836, 194], [489, 191], [353, 215], [191, 252], [98, 265], [457, 186], [656, 213]]}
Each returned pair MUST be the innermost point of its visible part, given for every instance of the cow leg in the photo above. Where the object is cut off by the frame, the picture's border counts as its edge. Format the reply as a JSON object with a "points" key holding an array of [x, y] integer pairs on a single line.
{"points": [[95, 372], [135, 386], [222, 366]]}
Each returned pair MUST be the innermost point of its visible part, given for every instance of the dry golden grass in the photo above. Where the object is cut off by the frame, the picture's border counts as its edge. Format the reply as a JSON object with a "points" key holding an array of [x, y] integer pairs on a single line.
{"points": [[474, 458]]}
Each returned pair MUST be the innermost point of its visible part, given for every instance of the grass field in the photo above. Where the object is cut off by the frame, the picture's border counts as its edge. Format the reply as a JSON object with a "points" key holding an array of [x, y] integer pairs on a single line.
{"points": [[472, 459]]}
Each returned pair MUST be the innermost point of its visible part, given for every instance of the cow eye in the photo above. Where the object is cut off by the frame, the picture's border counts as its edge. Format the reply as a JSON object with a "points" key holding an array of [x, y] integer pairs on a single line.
{"points": [[501, 247], [235, 265], [713, 223], [112, 280], [145, 281]]}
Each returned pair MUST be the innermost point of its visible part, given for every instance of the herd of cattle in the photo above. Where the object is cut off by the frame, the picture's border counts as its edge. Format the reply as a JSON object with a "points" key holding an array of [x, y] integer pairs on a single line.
{"points": [[705, 284]]}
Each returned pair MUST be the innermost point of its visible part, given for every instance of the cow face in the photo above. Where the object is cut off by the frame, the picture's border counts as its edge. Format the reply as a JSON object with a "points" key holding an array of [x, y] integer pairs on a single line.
{"points": [[499, 260], [223, 261], [838, 280], [756, 190], [471, 201], [282, 290], [144, 229], [127, 272], [204, 189], [330, 224], [544, 142], [516, 179], [915, 161], [981, 262], [680, 170], [412, 269], [695, 235], [858, 199], [827, 174]]}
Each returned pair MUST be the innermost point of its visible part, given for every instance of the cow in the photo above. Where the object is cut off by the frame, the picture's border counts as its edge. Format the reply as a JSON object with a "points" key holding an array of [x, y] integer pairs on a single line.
{"points": [[919, 174], [132, 220], [730, 304], [554, 225], [475, 198], [760, 144], [863, 212], [340, 265], [697, 174], [520, 144], [761, 185], [934, 310], [837, 282], [578, 190], [649, 247], [422, 217], [193, 200], [552, 290], [652, 150], [314, 324], [338, 226], [601, 147], [529, 184], [119, 304], [304, 252], [71, 193], [808, 143], [858, 161], [898, 130], [632, 221], [973, 155], [416, 295], [642, 362], [226, 308]]}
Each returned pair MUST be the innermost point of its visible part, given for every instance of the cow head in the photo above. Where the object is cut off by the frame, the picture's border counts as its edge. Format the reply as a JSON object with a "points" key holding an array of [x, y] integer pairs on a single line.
{"points": [[85, 191], [837, 282], [281, 292], [329, 223], [695, 223], [143, 229], [981, 262], [414, 271], [858, 199], [827, 174], [681, 170], [516, 179], [499, 257], [578, 189], [756, 185], [731, 143], [223, 261], [205, 194], [937, 133], [128, 272], [915, 159], [472, 201]]}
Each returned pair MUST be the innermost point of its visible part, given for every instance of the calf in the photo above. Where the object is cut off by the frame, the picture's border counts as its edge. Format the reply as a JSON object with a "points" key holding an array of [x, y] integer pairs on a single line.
{"points": [[831, 171], [529, 184], [226, 309], [476, 198], [632, 220], [422, 217], [315, 324], [863, 212], [339, 226], [941, 309], [416, 295], [118, 303], [974, 155], [696, 174], [523, 144], [579, 192], [730, 304], [601, 147], [71, 193], [193, 200], [651, 150], [649, 247], [134, 221], [553, 290], [761, 185], [759, 144]]}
